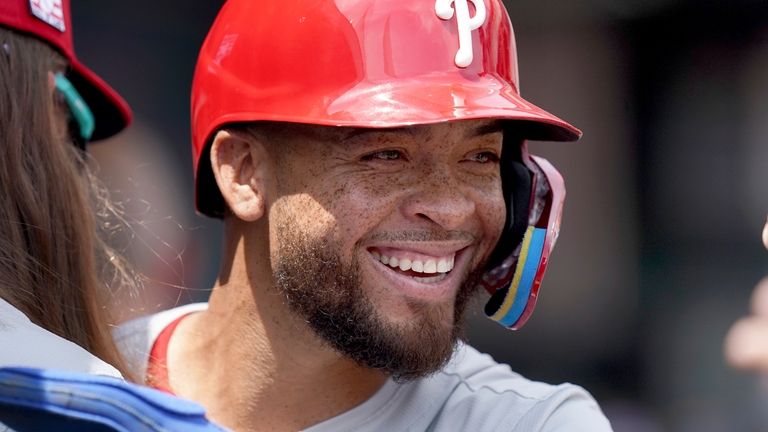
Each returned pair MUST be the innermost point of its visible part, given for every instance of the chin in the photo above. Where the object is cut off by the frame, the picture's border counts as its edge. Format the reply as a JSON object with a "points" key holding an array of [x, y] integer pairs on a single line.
{"points": [[370, 314]]}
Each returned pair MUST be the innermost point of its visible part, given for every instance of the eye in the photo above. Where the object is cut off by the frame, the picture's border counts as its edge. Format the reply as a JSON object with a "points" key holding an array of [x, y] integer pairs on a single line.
{"points": [[384, 155], [484, 157]]}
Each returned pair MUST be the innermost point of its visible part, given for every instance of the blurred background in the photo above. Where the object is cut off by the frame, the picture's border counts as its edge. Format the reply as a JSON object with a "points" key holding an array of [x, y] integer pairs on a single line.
{"points": [[667, 191]]}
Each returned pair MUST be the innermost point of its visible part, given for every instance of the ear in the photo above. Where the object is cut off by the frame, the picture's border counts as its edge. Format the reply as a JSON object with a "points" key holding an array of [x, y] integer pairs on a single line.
{"points": [[240, 166]]}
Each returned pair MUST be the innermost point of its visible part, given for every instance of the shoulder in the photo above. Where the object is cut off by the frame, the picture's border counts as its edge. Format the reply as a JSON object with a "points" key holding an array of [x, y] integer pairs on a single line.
{"points": [[135, 338], [473, 392], [476, 393], [34, 346]]}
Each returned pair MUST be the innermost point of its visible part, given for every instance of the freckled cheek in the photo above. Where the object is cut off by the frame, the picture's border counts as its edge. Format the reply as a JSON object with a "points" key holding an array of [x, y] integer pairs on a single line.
{"points": [[343, 215], [493, 213], [300, 213], [359, 211]]}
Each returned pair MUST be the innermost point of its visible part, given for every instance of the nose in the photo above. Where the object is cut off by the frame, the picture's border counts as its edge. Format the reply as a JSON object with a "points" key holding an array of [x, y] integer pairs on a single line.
{"points": [[439, 198]]}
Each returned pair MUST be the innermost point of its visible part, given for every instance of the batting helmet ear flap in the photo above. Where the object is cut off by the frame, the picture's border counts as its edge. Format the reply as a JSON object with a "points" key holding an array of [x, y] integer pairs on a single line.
{"points": [[514, 281], [516, 185]]}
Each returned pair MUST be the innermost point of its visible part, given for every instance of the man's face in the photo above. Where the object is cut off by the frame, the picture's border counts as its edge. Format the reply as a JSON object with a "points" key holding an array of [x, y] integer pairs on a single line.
{"points": [[377, 236]]}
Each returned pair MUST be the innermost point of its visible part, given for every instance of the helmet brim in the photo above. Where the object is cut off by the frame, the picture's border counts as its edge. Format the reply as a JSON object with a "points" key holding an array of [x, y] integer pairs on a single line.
{"points": [[428, 101], [418, 101], [425, 100]]}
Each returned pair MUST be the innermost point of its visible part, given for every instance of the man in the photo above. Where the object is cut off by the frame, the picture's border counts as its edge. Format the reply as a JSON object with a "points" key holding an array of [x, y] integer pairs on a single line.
{"points": [[745, 345], [369, 161]]}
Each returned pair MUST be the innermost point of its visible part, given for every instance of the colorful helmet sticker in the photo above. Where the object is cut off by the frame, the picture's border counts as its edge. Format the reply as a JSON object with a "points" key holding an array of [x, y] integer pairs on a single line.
{"points": [[519, 289]]}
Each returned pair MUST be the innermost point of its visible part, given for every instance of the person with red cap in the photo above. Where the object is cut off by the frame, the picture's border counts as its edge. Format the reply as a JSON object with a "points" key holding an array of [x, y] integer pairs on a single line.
{"points": [[59, 366], [369, 161], [52, 289]]}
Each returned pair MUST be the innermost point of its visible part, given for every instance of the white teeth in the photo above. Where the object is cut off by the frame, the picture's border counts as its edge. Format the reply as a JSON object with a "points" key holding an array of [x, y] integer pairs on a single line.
{"points": [[430, 267], [442, 266]]}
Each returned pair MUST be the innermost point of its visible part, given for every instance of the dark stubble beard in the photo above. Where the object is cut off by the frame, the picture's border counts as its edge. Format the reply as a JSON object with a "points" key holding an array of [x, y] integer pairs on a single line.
{"points": [[328, 295]]}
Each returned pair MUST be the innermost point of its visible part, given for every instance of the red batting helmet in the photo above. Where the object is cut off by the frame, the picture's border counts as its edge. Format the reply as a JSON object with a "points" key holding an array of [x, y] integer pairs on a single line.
{"points": [[50, 20], [388, 63]]}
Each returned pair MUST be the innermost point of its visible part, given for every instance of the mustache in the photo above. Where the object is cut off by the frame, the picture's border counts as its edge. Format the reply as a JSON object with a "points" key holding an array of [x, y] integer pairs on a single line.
{"points": [[423, 235]]}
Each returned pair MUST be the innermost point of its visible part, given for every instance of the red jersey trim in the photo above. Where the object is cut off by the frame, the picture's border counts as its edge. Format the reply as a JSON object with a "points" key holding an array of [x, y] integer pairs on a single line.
{"points": [[157, 365]]}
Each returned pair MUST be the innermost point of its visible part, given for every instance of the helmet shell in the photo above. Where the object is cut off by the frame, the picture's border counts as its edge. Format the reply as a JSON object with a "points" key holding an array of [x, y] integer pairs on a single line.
{"points": [[360, 63]]}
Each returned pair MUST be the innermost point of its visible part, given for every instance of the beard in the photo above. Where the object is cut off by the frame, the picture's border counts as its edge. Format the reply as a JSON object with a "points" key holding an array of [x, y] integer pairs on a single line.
{"points": [[328, 294]]}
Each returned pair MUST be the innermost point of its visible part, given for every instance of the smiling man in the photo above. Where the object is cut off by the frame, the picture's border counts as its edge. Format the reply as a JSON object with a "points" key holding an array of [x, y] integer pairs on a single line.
{"points": [[368, 159], [378, 234]]}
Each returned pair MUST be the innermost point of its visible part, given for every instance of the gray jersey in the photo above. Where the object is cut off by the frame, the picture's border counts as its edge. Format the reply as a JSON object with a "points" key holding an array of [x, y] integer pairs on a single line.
{"points": [[26, 344], [471, 393]]}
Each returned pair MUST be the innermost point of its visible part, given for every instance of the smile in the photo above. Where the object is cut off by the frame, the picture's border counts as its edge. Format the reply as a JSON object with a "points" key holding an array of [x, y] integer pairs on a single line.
{"points": [[422, 268]]}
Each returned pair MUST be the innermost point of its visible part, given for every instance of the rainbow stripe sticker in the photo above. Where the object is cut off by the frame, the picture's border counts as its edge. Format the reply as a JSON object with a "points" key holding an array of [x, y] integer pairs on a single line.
{"points": [[519, 290]]}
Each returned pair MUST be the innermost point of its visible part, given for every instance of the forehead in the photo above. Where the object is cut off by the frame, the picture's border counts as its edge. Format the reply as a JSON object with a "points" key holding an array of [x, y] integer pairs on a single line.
{"points": [[338, 134]]}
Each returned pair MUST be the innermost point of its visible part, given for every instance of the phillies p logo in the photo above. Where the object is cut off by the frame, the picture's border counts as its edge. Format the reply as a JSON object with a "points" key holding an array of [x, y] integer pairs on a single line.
{"points": [[446, 9]]}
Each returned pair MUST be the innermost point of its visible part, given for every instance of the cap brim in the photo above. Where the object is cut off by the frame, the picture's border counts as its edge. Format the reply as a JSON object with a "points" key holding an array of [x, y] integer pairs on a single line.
{"points": [[111, 112]]}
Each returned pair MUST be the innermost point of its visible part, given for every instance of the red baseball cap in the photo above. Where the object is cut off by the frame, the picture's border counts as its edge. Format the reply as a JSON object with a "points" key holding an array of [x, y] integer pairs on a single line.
{"points": [[51, 21]]}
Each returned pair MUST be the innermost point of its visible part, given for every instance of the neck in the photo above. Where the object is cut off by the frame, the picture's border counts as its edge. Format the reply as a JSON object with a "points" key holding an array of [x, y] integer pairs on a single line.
{"points": [[248, 354]]}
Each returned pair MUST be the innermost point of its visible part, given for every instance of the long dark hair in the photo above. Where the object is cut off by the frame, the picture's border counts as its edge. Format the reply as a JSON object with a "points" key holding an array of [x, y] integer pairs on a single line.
{"points": [[54, 266]]}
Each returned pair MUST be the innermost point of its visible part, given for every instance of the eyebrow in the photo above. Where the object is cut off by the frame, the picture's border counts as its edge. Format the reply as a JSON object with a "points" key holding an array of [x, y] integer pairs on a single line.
{"points": [[488, 128]]}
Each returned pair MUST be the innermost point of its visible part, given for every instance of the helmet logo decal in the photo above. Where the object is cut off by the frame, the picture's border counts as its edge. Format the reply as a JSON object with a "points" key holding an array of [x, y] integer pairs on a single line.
{"points": [[465, 22], [49, 12]]}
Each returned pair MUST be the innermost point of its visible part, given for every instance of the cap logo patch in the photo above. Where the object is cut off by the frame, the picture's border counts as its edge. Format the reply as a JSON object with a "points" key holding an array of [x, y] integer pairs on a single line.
{"points": [[465, 22], [49, 12]]}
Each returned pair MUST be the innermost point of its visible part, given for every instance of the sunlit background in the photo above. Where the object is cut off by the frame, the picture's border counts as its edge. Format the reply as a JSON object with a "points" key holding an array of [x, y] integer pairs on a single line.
{"points": [[667, 191]]}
